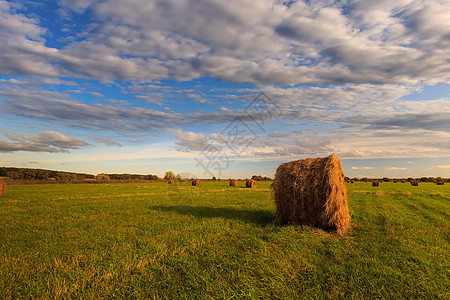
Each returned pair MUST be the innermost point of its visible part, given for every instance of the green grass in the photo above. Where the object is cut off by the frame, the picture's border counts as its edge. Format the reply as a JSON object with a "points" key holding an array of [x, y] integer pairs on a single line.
{"points": [[154, 240]]}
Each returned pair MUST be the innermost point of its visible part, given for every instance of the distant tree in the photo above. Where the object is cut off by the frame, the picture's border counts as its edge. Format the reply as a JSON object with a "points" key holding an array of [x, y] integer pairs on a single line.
{"points": [[385, 179], [125, 176], [169, 176], [101, 177], [178, 177], [214, 178]]}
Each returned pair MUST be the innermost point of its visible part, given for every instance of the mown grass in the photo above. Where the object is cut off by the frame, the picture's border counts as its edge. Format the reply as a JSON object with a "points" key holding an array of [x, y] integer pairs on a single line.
{"points": [[154, 240]]}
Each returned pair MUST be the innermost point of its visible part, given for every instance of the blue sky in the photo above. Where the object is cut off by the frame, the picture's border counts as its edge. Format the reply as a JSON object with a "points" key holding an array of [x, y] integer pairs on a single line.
{"points": [[225, 88]]}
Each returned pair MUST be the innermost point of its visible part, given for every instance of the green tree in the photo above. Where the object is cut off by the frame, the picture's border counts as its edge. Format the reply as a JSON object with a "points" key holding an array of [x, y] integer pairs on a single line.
{"points": [[151, 177], [102, 176], [125, 176], [169, 176]]}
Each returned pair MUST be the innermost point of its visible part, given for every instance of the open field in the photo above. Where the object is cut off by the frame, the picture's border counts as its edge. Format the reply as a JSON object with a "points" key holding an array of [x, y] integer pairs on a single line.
{"points": [[154, 240]]}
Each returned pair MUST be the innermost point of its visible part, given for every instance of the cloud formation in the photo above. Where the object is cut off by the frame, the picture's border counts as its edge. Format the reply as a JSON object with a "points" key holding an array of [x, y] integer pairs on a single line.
{"points": [[262, 42], [189, 141], [106, 141], [46, 141]]}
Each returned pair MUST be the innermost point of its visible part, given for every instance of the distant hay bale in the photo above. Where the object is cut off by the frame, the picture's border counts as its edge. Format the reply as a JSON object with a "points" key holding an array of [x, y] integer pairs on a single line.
{"points": [[440, 183], [233, 182], [352, 181], [171, 181], [395, 181], [312, 192], [196, 182], [2, 187], [250, 183], [414, 183], [375, 183], [403, 181]]}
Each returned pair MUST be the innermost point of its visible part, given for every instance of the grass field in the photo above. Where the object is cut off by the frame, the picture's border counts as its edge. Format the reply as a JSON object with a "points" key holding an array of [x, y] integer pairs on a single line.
{"points": [[154, 240]]}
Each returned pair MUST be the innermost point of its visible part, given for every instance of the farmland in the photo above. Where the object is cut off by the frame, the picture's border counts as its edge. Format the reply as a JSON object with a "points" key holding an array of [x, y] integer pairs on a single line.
{"points": [[154, 240]]}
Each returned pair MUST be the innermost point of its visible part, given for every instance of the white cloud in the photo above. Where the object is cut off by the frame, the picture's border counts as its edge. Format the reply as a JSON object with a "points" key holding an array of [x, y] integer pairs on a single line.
{"points": [[363, 168], [262, 42], [106, 141], [46, 141], [189, 141], [395, 168], [443, 167]]}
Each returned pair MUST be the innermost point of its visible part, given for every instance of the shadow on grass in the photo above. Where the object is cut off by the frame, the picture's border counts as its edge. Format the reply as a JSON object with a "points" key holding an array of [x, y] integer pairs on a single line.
{"points": [[257, 217]]}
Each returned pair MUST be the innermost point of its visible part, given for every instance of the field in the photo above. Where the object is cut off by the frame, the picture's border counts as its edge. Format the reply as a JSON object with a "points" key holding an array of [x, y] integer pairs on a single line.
{"points": [[154, 240]]}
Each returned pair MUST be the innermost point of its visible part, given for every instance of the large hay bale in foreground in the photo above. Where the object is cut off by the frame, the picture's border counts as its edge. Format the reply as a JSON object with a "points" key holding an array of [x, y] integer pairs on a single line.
{"points": [[250, 183], [196, 182], [312, 192], [375, 183], [2, 187], [233, 182]]}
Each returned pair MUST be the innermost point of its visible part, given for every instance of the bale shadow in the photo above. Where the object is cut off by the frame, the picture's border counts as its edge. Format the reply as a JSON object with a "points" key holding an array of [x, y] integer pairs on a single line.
{"points": [[257, 217]]}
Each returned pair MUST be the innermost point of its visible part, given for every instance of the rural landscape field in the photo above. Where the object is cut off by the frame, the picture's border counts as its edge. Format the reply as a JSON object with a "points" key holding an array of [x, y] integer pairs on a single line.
{"points": [[155, 240], [211, 149]]}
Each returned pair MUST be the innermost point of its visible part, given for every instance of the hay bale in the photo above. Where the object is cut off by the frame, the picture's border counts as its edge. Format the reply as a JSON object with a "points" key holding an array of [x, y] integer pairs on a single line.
{"points": [[414, 183], [196, 182], [403, 181], [375, 183], [171, 181], [312, 192], [233, 182], [440, 183], [352, 181], [2, 187], [250, 183]]}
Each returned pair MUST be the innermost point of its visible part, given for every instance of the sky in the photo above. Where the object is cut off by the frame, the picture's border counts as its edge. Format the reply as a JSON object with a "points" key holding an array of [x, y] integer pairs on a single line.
{"points": [[228, 89]]}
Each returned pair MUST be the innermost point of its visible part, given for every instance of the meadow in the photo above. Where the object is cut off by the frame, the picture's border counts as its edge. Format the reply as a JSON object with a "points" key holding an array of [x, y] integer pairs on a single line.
{"points": [[155, 240]]}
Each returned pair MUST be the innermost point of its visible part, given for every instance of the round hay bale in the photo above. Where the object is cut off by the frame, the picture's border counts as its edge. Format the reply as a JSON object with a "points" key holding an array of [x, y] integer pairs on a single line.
{"points": [[352, 181], [171, 181], [196, 182], [233, 182], [414, 183], [375, 183], [250, 183], [2, 187], [312, 192], [440, 183]]}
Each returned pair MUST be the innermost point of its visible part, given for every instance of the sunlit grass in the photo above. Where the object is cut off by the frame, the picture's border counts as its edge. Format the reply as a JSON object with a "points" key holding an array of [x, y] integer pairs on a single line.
{"points": [[145, 240]]}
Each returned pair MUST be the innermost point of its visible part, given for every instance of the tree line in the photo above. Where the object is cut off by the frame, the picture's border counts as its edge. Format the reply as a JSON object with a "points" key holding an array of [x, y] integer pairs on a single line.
{"points": [[50, 175]]}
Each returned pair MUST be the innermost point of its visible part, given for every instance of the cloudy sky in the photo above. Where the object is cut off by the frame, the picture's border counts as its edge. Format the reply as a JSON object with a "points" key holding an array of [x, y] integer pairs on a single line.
{"points": [[225, 88]]}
